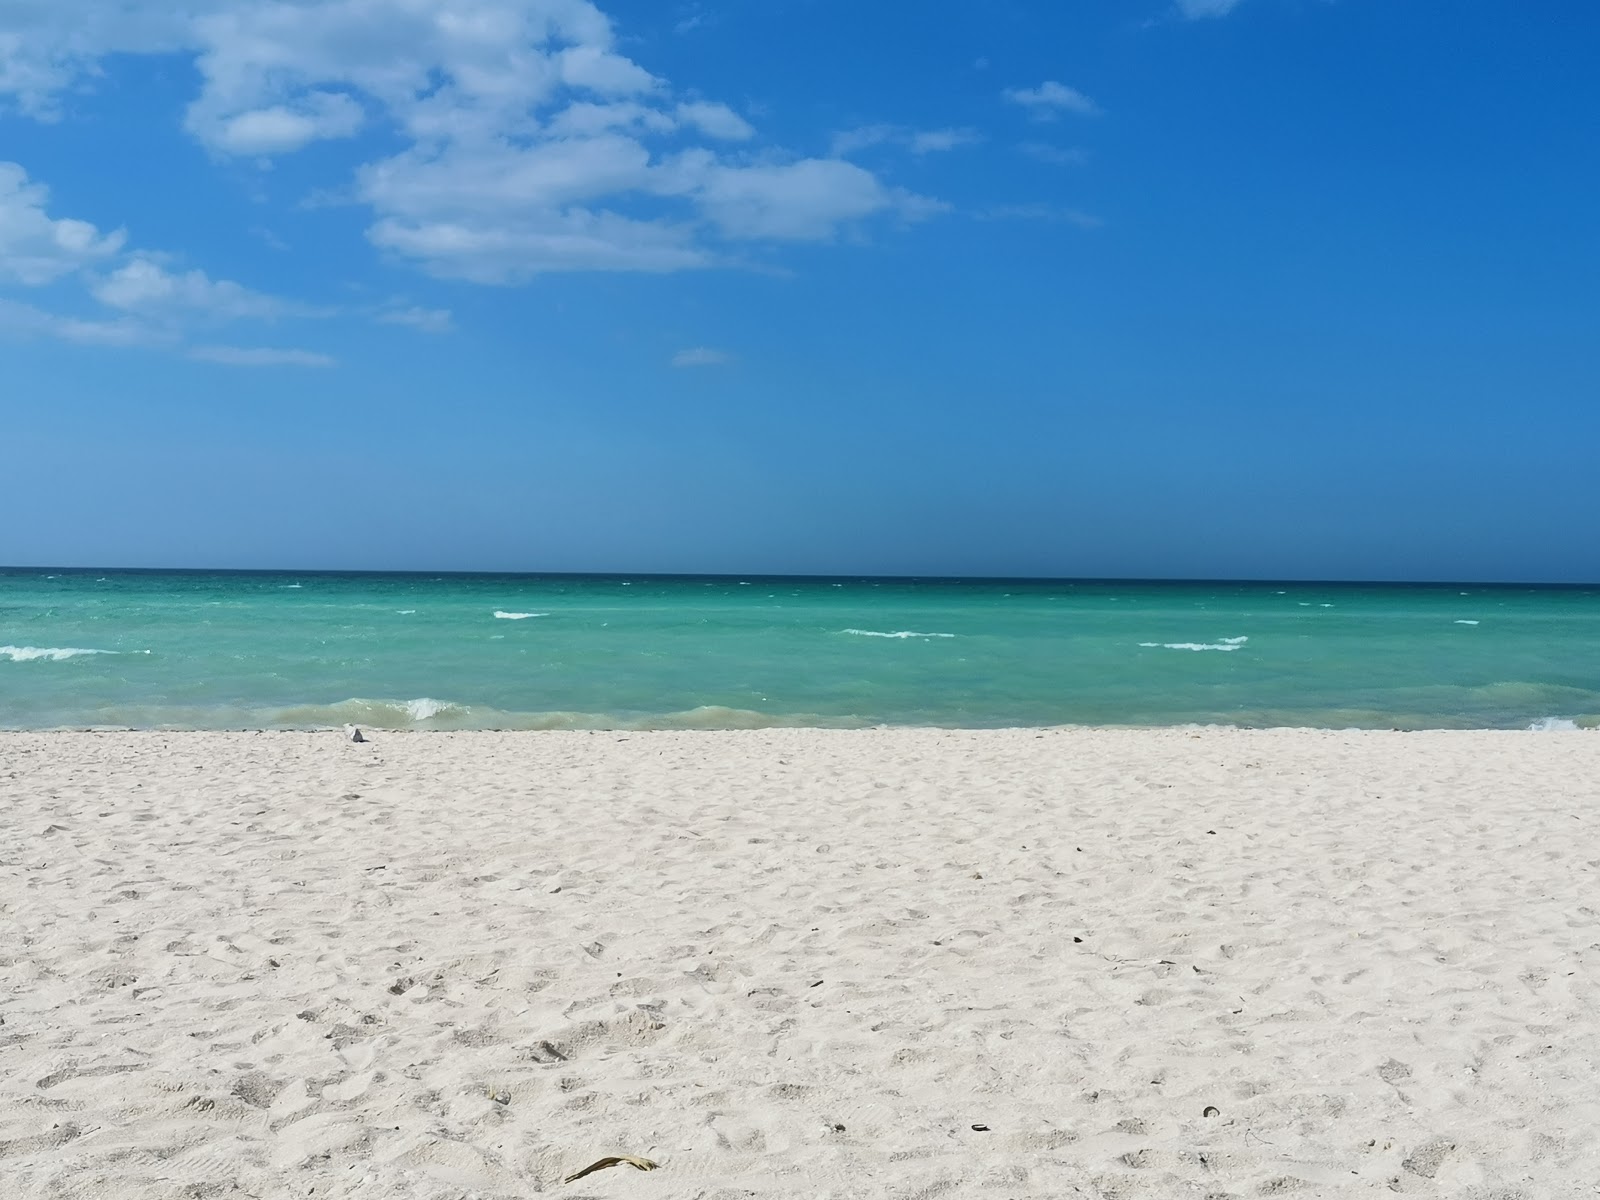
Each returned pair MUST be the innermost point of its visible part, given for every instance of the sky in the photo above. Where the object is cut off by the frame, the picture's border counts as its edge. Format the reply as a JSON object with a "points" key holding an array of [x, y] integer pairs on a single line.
{"points": [[1073, 288]]}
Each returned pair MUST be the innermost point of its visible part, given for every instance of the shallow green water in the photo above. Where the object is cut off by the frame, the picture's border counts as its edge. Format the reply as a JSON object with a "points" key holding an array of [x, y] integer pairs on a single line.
{"points": [[252, 650]]}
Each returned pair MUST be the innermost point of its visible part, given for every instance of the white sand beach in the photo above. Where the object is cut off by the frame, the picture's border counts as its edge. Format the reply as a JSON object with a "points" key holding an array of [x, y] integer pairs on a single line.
{"points": [[800, 963]]}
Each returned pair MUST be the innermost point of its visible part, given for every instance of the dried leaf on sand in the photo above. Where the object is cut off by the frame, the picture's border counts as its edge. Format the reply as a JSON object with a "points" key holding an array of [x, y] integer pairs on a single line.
{"points": [[643, 1164]]}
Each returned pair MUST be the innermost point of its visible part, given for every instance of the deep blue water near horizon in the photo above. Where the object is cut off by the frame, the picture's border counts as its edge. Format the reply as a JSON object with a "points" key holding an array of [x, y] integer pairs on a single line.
{"points": [[259, 649]]}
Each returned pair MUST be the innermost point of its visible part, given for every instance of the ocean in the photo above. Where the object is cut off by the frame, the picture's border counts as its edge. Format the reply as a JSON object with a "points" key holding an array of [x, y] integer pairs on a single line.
{"points": [[256, 650]]}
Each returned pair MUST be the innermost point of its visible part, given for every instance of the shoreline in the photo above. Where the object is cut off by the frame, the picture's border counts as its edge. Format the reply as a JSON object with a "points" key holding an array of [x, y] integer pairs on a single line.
{"points": [[1024, 963], [1552, 724]]}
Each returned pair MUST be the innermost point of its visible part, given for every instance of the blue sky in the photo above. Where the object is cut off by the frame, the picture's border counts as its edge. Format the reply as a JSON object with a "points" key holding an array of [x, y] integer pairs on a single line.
{"points": [[1268, 288]]}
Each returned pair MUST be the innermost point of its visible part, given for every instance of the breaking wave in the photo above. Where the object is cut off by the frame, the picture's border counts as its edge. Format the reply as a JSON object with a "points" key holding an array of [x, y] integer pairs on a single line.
{"points": [[1553, 725], [899, 633], [1233, 643], [425, 713], [53, 653], [511, 616]]}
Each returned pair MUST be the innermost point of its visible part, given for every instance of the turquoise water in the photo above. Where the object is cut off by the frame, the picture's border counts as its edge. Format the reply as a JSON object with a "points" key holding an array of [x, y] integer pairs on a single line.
{"points": [[255, 650]]}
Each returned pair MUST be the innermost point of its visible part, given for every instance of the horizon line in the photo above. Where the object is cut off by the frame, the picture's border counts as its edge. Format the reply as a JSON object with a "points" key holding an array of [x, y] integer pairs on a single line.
{"points": [[831, 577]]}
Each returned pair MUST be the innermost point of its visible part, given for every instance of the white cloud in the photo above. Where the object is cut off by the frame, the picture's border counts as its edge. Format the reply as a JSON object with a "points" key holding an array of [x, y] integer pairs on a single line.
{"points": [[143, 286], [49, 45], [803, 201], [716, 120], [699, 356], [510, 250], [862, 137], [690, 18], [918, 141], [1040, 212], [528, 142], [27, 321], [278, 129], [427, 320], [587, 119], [597, 69], [35, 248], [155, 303], [268, 238], [242, 356], [935, 141], [505, 179], [433, 66], [276, 73], [498, 214], [1197, 9], [1050, 99], [1058, 156]]}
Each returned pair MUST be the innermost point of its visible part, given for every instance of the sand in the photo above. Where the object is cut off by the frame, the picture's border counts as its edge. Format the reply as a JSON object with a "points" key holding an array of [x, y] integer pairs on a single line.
{"points": [[887, 963]]}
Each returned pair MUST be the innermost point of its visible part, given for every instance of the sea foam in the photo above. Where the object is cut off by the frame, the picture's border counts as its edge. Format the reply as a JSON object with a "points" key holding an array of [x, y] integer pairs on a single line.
{"points": [[899, 633], [1234, 643], [1553, 725], [424, 709], [511, 616], [379, 714], [53, 653]]}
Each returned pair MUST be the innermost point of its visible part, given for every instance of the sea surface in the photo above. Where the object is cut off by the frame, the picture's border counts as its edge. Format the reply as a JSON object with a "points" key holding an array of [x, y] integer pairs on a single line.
{"points": [[250, 650]]}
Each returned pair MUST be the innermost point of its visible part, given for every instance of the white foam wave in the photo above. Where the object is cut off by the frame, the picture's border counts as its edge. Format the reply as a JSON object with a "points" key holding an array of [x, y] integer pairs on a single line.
{"points": [[511, 616], [1553, 725], [405, 612], [291, 586], [1466, 622], [1223, 644], [53, 653], [424, 709], [899, 633], [377, 714], [427, 714]]}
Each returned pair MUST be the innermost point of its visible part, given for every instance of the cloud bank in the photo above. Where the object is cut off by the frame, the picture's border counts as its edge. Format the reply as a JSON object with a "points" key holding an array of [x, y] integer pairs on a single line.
{"points": [[528, 142], [141, 300]]}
